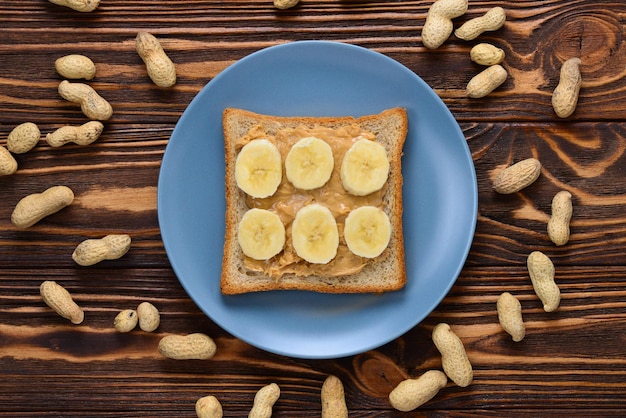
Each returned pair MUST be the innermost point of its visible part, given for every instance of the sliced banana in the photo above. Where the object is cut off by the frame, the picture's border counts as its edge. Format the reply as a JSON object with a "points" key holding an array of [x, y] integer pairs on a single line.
{"points": [[367, 231], [365, 167], [314, 233], [258, 168], [261, 234], [309, 163]]}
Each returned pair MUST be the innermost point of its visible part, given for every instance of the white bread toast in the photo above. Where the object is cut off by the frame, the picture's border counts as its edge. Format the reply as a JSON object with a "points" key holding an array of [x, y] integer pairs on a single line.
{"points": [[384, 273]]}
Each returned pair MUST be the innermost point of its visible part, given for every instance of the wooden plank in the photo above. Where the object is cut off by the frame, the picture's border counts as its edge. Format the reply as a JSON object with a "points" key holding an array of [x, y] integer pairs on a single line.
{"points": [[115, 181], [203, 38], [565, 360]]}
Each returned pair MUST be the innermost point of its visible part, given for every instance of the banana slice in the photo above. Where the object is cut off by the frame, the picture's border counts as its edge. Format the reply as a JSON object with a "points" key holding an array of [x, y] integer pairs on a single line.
{"points": [[314, 234], [367, 231], [261, 234], [309, 163], [365, 167], [258, 168]]}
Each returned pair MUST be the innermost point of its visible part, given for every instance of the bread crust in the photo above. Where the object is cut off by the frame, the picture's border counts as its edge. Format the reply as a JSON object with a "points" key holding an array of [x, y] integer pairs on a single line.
{"points": [[383, 274]]}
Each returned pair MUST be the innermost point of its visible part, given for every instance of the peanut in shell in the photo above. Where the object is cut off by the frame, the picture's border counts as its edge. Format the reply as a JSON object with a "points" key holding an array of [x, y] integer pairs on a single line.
{"points": [[413, 393], [541, 271], [486, 54], [565, 95], [454, 360], [558, 225], [517, 176], [483, 83], [60, 300], [23, 138], [333, 398], [510, 316], [8, 164], [196, 346]]}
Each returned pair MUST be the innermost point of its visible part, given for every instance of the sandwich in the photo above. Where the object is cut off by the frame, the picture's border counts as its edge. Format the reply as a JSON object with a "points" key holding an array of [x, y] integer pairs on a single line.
{"points": [[313, 203]]}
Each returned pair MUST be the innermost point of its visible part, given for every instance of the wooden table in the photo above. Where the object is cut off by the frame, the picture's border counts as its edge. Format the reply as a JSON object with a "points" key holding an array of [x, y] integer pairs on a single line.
{"points": [[572, 361]]}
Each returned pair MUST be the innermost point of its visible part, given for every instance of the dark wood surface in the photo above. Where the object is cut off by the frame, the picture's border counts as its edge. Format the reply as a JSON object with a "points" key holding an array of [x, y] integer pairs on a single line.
{"points": [[572, 361]]}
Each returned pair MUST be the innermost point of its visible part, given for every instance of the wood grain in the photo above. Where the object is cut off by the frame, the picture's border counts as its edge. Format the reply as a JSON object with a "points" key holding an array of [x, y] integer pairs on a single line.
{"points": [[572, 361]]}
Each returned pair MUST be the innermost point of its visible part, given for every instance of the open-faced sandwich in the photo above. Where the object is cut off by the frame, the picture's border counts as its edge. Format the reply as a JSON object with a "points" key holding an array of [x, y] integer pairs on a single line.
{"points": [[313, 203]]}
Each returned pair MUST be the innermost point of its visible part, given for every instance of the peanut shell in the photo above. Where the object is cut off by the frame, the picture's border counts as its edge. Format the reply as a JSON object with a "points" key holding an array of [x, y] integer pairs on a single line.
{"points": [[492, 20], [486, 81], [60, 300], [23, 138], [486, 54], [333, 398], [126, 320], [565, 95], [8, 164], [517, 176], [75, 66], [187, 347], [413, 393], [454, 359], [149, 317], [209, 407], [510, 316], [558, 225], [541, 271]]}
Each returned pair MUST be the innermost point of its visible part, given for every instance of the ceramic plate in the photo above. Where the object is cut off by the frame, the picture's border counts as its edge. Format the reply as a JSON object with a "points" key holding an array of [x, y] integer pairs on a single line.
{"points": [[319, 78]]}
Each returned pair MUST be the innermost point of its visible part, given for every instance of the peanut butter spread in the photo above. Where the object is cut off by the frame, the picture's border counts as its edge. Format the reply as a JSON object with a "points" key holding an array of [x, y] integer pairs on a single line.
{"points": [[288, 200]]}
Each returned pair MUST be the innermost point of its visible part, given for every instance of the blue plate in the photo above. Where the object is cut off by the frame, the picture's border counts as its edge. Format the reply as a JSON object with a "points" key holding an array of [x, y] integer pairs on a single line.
{"points": [[319, 78]]}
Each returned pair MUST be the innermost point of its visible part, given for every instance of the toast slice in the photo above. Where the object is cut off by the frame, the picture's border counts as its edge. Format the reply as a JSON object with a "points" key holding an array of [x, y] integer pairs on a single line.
{"points": [[346, 273]]}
